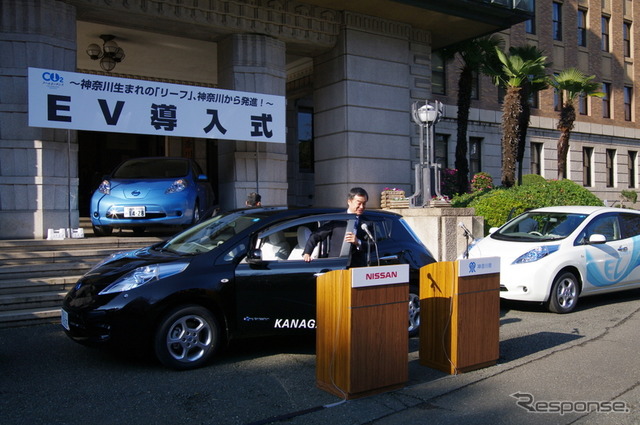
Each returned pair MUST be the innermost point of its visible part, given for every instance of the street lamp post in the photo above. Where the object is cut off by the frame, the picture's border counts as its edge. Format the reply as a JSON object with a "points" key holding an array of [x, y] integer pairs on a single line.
{"points": [[426, 115]]}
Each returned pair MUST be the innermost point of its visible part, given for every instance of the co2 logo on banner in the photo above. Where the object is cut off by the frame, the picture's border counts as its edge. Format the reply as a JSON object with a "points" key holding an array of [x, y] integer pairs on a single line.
{"points": [[52, 79]]}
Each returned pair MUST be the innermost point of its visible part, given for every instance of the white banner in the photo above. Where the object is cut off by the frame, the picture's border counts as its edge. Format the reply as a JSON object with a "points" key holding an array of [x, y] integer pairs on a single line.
{"points": [[476, 266], [381, 275], [70, 100]]}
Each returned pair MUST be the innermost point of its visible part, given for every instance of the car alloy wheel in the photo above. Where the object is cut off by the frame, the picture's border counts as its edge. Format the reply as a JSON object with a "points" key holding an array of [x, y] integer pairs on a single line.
{"points": [[102, 230], [187, 337], [414, 312], [564, 293]]}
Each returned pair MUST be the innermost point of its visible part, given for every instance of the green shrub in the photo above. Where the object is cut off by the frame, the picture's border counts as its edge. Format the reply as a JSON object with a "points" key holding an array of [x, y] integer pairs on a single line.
{"points": [[449, 182], [630, 195], [497, 205], [481, 181], [529, 179]]}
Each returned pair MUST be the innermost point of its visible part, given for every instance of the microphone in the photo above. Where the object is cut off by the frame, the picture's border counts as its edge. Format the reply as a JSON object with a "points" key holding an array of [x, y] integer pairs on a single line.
{"points": [[466, 231], [364, 227]]}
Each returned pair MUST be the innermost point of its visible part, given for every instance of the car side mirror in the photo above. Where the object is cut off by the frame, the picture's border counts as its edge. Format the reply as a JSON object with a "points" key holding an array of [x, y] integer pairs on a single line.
{"points": [[597, 238], [255, 257]]}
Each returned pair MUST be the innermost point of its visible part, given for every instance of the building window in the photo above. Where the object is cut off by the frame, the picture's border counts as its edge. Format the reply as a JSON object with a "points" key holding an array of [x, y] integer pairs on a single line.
{"points": [[475, 155], [633, 156], [438, 74], [605, 33], [533, 100], [536, 158], [606, 100], [305, 140], [475, 85], [502, 92], [582, 28], [558, 99], [530, 24], [441, 150], [583, 104], [628, 103], [557, 21], [626, 39], [587, 167], [611, 167]]}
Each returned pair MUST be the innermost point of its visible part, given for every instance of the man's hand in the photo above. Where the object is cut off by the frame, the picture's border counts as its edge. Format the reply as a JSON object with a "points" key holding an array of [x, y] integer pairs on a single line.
{"points": [[306, 257], [351, 238]]}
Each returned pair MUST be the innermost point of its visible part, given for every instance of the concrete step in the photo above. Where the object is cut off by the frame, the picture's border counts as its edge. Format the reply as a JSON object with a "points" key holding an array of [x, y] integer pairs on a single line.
{"points": [[31, 300], [65, 256], [35, 275], [26, 286], [30, 316], [30, 271]]}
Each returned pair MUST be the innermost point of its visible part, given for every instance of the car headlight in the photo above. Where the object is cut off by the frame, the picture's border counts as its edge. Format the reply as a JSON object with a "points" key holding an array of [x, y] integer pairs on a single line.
{"points": [[536, 254], [142, 275], [105, 187], [177, 186]]}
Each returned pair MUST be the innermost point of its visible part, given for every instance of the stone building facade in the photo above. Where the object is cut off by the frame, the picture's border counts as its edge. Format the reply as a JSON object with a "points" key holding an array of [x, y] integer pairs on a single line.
{"points": [[604, 144], [349, 73]]}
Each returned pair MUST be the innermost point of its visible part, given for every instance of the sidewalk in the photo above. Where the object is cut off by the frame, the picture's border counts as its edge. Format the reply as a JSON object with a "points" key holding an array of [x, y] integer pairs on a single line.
{"points": [[553, 386]]}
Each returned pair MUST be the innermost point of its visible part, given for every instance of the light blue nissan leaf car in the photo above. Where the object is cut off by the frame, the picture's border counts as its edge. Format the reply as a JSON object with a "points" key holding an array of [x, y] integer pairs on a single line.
{"points": [[151, 192]]}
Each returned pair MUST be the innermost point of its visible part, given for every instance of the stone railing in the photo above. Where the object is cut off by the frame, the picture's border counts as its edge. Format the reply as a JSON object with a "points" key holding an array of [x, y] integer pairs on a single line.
{"points": [[438, 228]]}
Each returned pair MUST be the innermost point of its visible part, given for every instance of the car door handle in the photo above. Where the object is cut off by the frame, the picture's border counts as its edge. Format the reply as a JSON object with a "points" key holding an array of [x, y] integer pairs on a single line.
{"points": [[623, 249]]}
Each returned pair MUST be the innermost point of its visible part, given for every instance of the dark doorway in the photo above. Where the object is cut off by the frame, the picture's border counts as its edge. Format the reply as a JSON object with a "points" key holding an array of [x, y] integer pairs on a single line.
{"points": [[99, 153]]}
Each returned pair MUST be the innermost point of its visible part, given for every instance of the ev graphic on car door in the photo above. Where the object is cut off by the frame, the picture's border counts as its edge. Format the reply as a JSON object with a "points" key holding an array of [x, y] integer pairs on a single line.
{"points": [[277, 286], [614, 263]]}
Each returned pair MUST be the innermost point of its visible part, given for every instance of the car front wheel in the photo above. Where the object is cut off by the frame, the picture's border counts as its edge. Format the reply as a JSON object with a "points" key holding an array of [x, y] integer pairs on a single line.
{"points": [[414, 312], [102, 230], [564, 293], [187, 337]]}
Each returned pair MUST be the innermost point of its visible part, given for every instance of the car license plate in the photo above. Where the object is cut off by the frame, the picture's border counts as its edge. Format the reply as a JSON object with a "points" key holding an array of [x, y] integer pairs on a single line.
{"points": [[134, 212], [64, 319]]}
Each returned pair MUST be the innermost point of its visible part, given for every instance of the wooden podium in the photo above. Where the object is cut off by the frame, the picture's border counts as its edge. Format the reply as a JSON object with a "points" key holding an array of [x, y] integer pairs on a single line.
{"points": [[362, 345], [460, 314]]}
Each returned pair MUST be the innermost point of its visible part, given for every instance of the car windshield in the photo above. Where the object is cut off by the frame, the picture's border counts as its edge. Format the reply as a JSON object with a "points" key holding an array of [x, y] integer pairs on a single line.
{"points": [[210, 234], [152, 168], [539, 226]]}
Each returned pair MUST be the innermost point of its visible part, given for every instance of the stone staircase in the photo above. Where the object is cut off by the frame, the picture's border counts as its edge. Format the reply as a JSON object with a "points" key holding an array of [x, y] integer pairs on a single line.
{"points": [[36, 274]]}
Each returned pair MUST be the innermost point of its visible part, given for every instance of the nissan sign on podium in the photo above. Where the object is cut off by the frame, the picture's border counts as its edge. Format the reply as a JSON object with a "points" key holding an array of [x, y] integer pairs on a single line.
{"points": [[361, 335]]}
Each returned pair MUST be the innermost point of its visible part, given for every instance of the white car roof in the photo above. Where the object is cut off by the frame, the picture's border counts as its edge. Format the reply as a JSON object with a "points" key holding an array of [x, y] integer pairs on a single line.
{"points": [[580, 209]]}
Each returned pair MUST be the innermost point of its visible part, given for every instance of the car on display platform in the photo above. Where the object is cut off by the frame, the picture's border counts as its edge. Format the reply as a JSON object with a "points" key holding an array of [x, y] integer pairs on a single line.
{"points": [[238, 274], [149, 192], [555, 255]]}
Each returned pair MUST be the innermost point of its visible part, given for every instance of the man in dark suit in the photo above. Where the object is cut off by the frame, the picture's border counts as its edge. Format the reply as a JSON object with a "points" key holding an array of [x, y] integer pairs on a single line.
{"points": [[337, 234]]}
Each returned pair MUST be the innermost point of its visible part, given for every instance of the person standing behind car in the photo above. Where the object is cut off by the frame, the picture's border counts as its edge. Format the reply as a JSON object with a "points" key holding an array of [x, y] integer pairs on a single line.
{"points": [[254, 200], [335, 231]]}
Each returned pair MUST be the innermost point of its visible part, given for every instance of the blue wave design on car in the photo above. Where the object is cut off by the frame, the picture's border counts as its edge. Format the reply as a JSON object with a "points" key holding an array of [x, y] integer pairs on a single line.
{"points": [[614, 270]]}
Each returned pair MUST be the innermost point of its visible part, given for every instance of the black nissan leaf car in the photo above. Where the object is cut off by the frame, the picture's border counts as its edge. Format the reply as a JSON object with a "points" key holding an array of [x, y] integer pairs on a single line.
{"points": [[238, 274]]}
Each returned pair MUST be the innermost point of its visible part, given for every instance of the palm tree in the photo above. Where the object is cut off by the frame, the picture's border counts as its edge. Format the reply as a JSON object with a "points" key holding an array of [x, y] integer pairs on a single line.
{"points": [[530, 88], [514, 73], [572, 83], [473, 54]]}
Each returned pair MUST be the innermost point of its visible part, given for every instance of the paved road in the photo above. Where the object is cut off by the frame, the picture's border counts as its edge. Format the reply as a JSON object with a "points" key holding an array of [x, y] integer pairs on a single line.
{"points": [[589, 355]]}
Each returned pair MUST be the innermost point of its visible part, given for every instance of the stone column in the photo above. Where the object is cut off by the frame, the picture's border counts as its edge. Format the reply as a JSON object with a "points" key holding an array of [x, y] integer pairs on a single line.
{"points": [[363, 92], [252, 63], [38, 166]]}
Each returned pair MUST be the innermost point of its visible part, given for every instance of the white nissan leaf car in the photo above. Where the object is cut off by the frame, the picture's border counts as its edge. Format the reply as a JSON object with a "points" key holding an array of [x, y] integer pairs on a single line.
{"points": [[555, 255]]}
